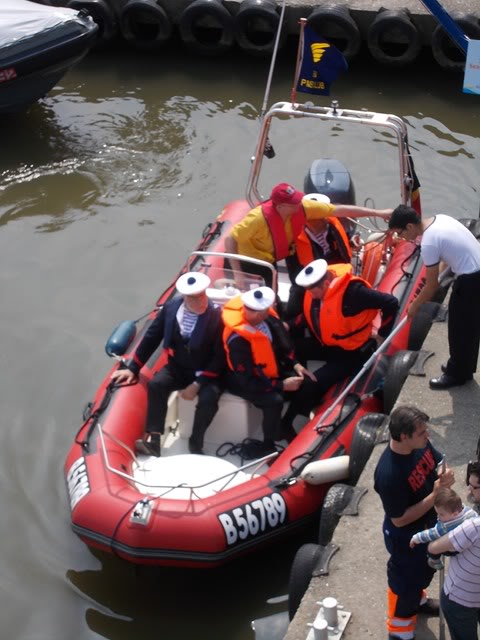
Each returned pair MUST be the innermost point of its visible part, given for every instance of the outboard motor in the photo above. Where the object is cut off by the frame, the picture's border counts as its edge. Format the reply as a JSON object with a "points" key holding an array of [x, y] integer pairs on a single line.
{"points": [[330, 177]]}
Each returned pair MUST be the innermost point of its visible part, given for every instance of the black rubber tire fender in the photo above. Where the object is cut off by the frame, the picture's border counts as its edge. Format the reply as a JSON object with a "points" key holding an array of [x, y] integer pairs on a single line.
{"points": [[145, 25], [102, 14], [403, 37], [207, 27], [473, 225], [335, 24], [397, 372], [337, 498], [421, 325], [251, 15], [300, 575], [363, 442], [445, 51]]}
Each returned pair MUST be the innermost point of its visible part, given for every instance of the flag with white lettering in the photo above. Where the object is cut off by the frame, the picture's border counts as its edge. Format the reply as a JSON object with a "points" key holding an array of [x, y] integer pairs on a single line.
{"points": [[320, 65]]}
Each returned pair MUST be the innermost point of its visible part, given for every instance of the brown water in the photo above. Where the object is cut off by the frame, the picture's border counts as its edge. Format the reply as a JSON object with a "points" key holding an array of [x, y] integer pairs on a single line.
{"points": [[105, 186]]}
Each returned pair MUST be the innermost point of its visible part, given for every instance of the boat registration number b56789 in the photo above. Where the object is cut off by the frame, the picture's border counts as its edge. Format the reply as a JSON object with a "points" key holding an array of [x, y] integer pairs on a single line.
{"points": [[254, 518]]}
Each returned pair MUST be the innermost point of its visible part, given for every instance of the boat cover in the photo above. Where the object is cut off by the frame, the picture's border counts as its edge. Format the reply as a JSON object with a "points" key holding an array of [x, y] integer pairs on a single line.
{"points": [[21, 21]]}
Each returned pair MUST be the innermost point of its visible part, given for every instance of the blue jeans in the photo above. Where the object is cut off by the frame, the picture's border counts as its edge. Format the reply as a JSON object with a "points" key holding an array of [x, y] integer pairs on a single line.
{"points": [[462, 621]]}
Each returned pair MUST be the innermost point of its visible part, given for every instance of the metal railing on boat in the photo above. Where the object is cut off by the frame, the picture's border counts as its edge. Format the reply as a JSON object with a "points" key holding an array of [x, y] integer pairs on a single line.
{"points": [[333, 113], [228, 477]]}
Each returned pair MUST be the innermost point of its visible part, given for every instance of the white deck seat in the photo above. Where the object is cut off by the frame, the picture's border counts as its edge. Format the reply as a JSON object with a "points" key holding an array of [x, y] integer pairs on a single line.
{"points": [[236, 419]]}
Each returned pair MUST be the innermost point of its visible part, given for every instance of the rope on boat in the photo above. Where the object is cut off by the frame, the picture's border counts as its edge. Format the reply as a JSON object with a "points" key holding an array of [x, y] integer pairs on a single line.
{"points": [[95, 415], [248, 449]]}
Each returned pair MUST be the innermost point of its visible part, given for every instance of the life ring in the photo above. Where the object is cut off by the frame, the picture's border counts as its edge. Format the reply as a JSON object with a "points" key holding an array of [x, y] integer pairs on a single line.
{"points": [[445, 51], [207, 27], [256, 26], [145, 24], [102, 14], [337, 25], [393, 39]]}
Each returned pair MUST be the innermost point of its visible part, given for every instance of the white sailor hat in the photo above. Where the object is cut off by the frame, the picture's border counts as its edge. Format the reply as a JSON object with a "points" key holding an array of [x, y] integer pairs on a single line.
{"points": [[312, 273], [316, 197], [192, 283], [259, 299]]}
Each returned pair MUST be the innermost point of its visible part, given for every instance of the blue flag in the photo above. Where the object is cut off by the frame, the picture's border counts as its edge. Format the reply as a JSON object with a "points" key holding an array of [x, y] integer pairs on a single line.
{"points": [[321, 63]]}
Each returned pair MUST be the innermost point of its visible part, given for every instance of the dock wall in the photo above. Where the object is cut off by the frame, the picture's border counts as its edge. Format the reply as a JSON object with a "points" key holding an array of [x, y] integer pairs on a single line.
{"points": [[356, 576], [393, 36]]}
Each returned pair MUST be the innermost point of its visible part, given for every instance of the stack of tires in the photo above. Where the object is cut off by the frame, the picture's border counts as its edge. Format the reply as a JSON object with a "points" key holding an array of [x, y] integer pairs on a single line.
{"points": [[445, 51], [209, 28]]}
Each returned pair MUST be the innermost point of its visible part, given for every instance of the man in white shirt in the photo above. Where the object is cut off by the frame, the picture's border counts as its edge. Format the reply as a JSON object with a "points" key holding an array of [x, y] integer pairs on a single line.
{"points": [[447, 240]]}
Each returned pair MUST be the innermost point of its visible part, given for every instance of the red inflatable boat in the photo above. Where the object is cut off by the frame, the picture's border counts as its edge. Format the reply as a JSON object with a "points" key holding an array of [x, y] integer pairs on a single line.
{"points": [[204, 510]]}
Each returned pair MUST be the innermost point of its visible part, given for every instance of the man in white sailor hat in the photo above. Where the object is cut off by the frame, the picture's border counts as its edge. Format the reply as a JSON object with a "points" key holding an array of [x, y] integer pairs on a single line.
{"points": [[190, 328], [338, 309], [321, 237], [261, 362], [269, 231]]}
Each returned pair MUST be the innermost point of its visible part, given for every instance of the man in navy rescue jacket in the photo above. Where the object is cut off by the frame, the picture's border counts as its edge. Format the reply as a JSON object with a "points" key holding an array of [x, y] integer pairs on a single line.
{"points": [[191, 330]]}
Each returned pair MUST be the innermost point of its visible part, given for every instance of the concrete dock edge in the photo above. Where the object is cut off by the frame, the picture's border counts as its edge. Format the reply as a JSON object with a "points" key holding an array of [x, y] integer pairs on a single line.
{"points": [[357, 576]]}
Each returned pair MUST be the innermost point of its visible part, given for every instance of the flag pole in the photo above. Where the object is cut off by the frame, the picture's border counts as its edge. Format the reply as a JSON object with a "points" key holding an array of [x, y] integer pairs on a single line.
{"points": [[293, 95], [281, 26]]}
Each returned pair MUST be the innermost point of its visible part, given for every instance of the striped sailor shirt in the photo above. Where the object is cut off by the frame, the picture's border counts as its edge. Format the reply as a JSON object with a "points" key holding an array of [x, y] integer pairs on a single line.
{"points": [[462, 584]]}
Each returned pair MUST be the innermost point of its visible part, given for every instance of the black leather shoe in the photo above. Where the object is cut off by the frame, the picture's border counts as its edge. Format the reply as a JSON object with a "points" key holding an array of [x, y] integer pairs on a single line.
{"points": [[430, 608], [444, 370], [288, 433], [193, 447], [148, 448], [445, 382]]}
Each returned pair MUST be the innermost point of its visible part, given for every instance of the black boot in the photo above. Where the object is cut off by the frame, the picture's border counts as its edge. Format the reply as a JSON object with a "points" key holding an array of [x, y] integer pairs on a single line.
{"points": [[194, 447], [149, 445]]}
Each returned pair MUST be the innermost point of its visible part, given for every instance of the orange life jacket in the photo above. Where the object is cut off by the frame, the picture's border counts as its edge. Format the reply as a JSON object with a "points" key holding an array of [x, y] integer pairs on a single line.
{"points": [[337, 330], [281, 245], [233, 316], [305, 249]]}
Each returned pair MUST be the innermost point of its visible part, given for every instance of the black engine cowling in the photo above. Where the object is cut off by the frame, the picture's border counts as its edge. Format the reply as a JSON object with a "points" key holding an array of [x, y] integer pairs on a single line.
{"points": [[330, 177]]}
